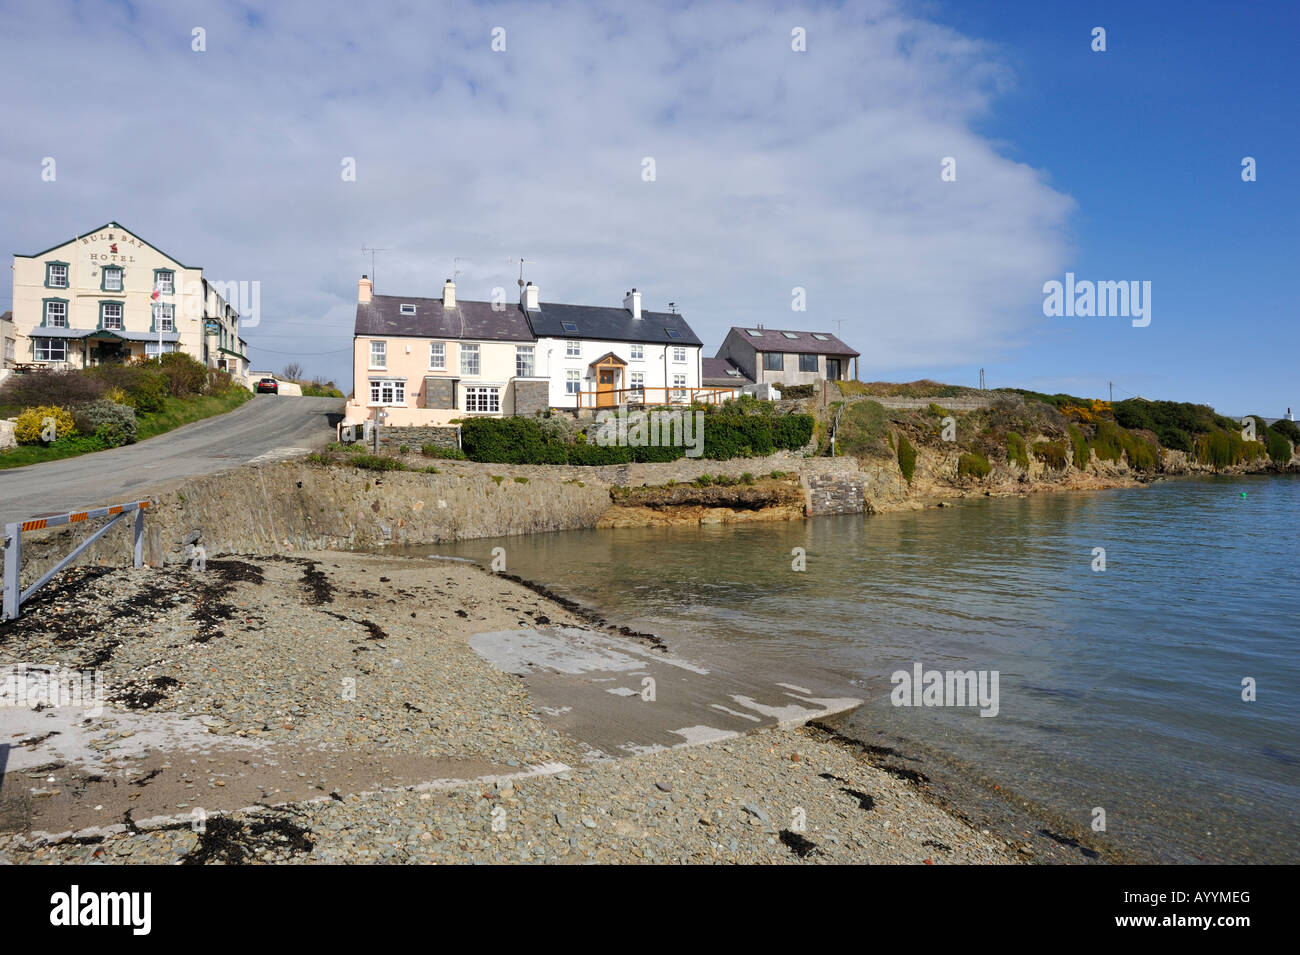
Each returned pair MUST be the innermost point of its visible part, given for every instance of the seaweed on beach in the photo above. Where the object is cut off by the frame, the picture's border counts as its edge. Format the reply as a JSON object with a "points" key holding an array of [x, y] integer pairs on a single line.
{"points": [[589, 616], [144, 694], [232, 842]]}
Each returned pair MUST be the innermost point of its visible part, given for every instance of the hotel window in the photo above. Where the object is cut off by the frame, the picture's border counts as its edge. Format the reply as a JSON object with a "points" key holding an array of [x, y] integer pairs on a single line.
{"points": [[164, 318], [572, 350], [807, 362], [388, 391], [164, 281], [110, 316], [469, 359], [112, 278], [773, 361], [50, 349], [572, 381], [679, 388], [636, 383], [679, 353], [523, 361], [378, 353], [638, 352], [56, 314], [437, 356], [151, 348], [483, 399], [56, 275]]}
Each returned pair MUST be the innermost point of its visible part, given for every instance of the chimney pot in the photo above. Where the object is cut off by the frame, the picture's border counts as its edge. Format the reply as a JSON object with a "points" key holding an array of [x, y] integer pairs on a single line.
{"points": [[364, 289]]}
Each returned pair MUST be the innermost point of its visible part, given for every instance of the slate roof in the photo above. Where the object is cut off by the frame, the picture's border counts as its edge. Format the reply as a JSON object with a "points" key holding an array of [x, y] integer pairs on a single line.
{"points": [[713, 371], [476, 321], [776, 340], [610, 324]]}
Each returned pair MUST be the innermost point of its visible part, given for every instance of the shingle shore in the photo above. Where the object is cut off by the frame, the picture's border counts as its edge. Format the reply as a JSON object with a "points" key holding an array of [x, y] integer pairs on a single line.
{"points": [[252, 656]]}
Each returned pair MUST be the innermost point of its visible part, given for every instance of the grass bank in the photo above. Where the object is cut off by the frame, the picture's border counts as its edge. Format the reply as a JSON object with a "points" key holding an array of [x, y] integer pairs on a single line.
{"points": [[175, 413]]}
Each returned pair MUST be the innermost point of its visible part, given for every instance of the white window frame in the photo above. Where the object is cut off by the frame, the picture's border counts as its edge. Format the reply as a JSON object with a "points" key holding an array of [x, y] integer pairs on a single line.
{"points": [[636, 385], [525, 361], [103, 316], [166, 282], [151, 348], [679, 388], [164, 317], [638, 352], [470, 360], [50, 344], [406, 308], [63, 319], [572, 349], [382, 351], [388, 392], [483, 399], [679, 353], [437, 356], [572, 381], [108, 285], [51, 270]]}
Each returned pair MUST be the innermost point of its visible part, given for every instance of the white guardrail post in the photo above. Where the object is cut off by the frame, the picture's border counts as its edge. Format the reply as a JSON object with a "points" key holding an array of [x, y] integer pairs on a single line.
{"points": [[14, 595]]}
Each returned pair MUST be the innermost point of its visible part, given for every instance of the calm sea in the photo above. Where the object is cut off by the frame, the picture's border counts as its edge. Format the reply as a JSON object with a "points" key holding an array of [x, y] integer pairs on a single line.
{"points": [[1118, 689]]}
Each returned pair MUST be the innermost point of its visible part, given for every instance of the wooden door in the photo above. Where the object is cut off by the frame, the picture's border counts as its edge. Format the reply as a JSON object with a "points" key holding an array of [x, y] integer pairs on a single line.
{"points": [[605, 388]]}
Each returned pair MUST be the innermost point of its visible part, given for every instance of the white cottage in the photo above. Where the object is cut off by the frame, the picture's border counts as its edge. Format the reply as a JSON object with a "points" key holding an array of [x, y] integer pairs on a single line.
{"points": [[598, 357]]}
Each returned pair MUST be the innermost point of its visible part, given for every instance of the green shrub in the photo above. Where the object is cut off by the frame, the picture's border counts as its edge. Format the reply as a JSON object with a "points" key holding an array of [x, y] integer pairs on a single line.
{"points": [[30, 427], [1052, 453], [218, 382], [797, 391], [747, 478], [376, 462], [437, 451], [184, 374], [509, 441], [404, 449], [593, 455], [1079, 445], [1016, 450], [1279, 448], [1223, 448], [906, 457], [114, 423], [1288, 429], [973, 465]]}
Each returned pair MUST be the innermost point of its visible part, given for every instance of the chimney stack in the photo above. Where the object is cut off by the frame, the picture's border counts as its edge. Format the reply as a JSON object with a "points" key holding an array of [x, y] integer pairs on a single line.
{"points": [[528, 297], [449, 294], [632, 302], [364, 288]]}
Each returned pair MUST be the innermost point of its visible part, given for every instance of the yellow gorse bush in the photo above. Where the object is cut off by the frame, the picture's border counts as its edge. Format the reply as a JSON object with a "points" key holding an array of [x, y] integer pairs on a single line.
{"points": [[43, 424]]}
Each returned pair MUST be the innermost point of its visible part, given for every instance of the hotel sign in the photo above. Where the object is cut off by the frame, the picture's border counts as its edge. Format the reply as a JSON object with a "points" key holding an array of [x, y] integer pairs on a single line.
{"points": [[107, 246]]}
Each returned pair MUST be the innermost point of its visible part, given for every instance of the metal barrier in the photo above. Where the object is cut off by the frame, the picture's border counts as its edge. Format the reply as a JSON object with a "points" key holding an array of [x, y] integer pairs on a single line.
{"points": [[13, 595]]}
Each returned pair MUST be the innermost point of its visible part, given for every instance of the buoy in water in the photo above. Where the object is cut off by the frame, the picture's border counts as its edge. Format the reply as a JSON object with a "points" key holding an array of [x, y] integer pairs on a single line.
{"points": [[1243, 493]]}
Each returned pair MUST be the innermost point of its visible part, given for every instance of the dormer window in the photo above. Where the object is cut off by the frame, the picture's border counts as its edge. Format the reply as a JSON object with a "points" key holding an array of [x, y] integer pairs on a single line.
{"points": [[407, 308]]}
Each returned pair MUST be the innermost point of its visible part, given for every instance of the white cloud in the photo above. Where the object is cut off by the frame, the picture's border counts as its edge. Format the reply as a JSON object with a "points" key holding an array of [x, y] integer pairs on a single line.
{"points": [[775, 169]]}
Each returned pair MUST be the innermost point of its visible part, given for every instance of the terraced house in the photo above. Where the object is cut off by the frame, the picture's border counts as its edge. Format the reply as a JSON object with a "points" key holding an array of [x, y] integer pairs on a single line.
{"points": [[427, 361], [108, 296]]}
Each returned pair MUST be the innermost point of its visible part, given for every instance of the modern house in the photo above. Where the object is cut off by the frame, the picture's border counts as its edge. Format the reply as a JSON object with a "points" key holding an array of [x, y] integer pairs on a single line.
{"points": [[598, 357], [720, 373], [425, 361], [108, 295], [782, 357]]}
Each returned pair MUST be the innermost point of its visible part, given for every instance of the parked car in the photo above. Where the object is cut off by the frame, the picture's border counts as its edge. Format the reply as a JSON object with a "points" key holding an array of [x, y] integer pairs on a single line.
{"points": [[268, 386]]}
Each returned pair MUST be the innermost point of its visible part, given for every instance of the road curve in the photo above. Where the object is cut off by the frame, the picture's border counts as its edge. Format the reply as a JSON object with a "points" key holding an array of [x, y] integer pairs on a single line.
{"points": [[267, 427]]}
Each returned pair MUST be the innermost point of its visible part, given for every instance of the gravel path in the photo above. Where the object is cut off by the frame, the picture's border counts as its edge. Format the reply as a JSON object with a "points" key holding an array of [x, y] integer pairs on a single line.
{"points": [[331, 710]]}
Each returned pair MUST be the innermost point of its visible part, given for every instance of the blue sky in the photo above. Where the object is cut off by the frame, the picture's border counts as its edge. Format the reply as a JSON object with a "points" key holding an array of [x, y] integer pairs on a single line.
{"points": [[774, 169]]}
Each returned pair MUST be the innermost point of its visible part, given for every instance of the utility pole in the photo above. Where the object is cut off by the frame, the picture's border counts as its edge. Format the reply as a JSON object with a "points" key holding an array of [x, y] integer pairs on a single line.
{"points": [[981, 379], [1111, 386]]}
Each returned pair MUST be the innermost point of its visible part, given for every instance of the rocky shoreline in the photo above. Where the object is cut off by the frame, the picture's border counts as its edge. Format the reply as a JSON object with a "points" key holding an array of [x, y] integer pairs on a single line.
{"points": [[228, 736]]}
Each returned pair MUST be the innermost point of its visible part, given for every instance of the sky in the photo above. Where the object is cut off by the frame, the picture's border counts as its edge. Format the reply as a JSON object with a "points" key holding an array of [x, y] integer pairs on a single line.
{"points": [[691, 151]]}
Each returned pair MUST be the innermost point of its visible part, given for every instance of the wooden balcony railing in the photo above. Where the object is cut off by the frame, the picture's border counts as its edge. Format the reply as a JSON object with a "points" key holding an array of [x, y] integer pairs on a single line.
{"points": [[646, 396]]}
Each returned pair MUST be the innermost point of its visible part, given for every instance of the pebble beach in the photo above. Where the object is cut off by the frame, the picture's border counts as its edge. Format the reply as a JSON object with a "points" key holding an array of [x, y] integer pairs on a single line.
{"points": [[331, 709]]}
